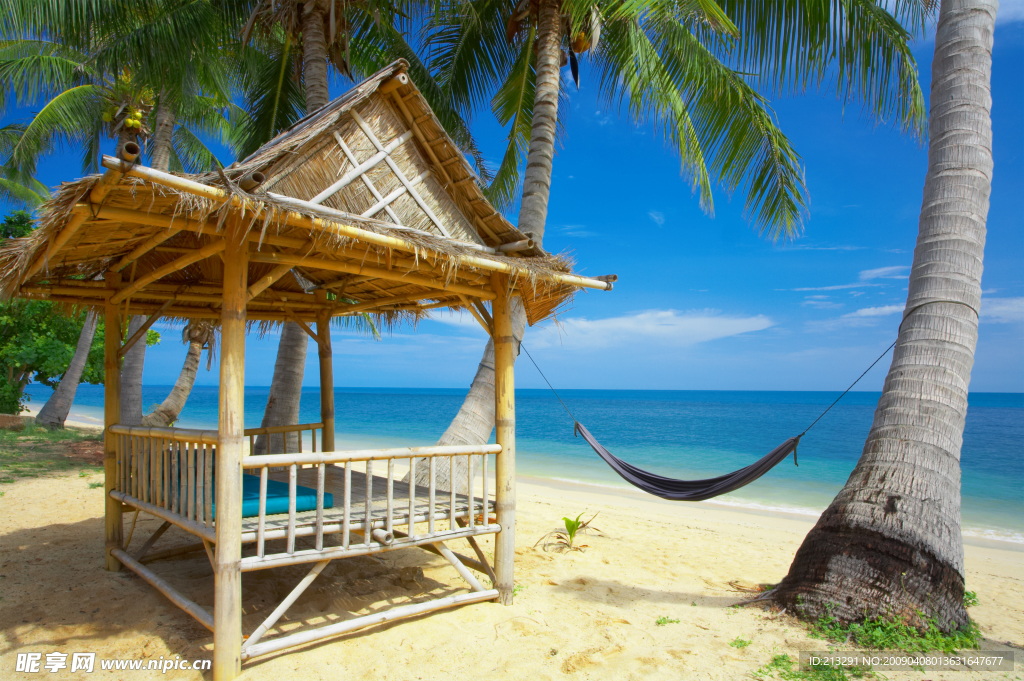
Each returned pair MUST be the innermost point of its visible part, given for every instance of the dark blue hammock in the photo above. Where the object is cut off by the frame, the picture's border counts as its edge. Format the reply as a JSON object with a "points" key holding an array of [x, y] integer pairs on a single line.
{"points": [[696, 490], [690, 490]]}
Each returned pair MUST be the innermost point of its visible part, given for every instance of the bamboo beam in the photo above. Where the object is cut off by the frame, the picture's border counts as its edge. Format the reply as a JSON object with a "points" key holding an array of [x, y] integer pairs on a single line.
{"points": [[227, 610], [161, 585], [393, 83], [476, 315], [505, 435], [366, 236], [342, 215], [145, 247], [113, 524], [143, 329], [305, 327], [366, 180], [378, 272], [381, 302], [285, 604], [72, 226], [267, 280], [368, 164], [442, 166], [173, 266], [99, 191], [170, 553], [397, 170], [384, 202], [345, 626], [178, 520], [326, 357]]}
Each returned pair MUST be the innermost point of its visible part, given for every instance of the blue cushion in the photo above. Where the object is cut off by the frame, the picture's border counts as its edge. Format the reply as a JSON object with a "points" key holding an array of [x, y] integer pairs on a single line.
{"points": [[277, 497]]}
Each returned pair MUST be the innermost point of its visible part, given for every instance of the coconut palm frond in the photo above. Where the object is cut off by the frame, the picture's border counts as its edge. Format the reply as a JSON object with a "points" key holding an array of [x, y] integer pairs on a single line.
{"points": [[855, 47]]}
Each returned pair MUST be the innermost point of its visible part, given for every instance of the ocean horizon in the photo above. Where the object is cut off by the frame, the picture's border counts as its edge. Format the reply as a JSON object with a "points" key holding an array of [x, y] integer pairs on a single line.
{"points": [[677, 433]]}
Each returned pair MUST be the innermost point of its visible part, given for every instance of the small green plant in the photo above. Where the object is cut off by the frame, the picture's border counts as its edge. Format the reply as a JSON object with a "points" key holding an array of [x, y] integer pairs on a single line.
{"points": [[876, 632], [970, 599], [566, 539], [781, 667], [94, 485], [662, 621], [739, 642], [517, 588]]}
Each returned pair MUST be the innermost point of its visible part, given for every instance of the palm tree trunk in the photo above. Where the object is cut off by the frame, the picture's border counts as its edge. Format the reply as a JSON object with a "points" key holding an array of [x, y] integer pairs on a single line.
{"points": [[55, 411], [170, 409], [890, 544], [162, 135], [533, 209], [475, 420], [131, 375], [314, 57], [286, 387], [285, 390]]}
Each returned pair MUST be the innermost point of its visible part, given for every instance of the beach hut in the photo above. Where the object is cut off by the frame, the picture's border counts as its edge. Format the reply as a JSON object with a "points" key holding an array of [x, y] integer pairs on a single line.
{"points": [[365, 206]]}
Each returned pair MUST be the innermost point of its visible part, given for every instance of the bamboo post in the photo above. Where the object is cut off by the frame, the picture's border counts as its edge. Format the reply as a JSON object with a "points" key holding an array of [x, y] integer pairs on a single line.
{"points": [[227, 602], [114, 528], [505, 435], [323, 333]]}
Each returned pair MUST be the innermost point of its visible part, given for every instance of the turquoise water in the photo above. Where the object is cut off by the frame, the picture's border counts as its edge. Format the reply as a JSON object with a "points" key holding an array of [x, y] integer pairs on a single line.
{"points": [[686, 434]]}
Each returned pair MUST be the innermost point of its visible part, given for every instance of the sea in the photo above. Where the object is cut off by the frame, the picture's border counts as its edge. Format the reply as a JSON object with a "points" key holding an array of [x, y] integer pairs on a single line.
{"points": [[677, 433]]}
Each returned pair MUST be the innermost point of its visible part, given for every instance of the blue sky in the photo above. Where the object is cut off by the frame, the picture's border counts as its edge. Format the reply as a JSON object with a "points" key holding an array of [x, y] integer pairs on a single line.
{"points": [[704, 302]]}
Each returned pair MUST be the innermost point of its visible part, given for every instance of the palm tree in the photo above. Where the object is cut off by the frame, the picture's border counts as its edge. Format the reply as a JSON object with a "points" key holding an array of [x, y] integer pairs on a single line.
{"points": [[198, 335], [890, 545], [356, 38], [97, 72], [55, 411], [692, 69]]}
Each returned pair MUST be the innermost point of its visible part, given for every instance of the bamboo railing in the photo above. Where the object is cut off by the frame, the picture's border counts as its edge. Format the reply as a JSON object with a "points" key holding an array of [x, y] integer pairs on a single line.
{"points": [[283, 431], [168, 472], [447, 515]]}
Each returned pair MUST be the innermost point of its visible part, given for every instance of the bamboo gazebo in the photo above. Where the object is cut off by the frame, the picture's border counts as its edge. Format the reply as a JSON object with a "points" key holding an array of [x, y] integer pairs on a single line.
{"points": [[365, 206]]}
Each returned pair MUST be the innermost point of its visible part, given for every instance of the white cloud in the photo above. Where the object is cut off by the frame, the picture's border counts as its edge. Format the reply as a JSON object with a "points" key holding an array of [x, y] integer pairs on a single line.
{"points": [[883, 311], [837, 287], [894, 272], [1002, 309], [820, 302], [654, 327], [659, 218]]}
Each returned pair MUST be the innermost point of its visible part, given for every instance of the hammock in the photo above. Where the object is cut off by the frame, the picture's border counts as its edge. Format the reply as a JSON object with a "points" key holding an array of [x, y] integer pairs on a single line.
{"points": [[696, 490], [691, 490]]}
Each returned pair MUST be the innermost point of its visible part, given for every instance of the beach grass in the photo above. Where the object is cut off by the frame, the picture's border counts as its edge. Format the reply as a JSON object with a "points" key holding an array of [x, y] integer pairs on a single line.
{"points": [[883, 634], [781, 667], [35, 451]]}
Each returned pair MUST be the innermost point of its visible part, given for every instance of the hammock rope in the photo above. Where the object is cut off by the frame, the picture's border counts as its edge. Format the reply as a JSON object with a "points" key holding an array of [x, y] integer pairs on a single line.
{"points": [[693, 490]]}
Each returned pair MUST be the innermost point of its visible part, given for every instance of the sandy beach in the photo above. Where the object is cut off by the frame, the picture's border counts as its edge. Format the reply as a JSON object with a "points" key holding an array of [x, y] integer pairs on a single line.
{"points": [[584, 614]]}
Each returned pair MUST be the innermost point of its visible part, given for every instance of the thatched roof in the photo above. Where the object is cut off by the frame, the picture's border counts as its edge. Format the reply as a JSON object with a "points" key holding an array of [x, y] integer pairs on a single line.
{"points": [[367, 206]]}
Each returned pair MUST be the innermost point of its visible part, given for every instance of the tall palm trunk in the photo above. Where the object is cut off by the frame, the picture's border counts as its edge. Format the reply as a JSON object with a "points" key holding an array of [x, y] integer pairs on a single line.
{"points": [[285, 390], [134, 359], [131, 375], [55, 411], [162, 135], [197, 335], [286, 387], [475, 420], [170, 409], [890, 544], [314, 56]]}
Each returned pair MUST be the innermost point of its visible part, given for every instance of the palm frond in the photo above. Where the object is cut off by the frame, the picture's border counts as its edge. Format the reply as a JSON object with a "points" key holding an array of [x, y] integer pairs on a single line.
{"points": [[720, 125], [513, 107], [854, 46]]}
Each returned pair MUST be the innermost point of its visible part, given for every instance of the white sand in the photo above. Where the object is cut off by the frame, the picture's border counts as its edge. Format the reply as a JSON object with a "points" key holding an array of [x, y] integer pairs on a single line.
{"points": [[577, 615]]}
